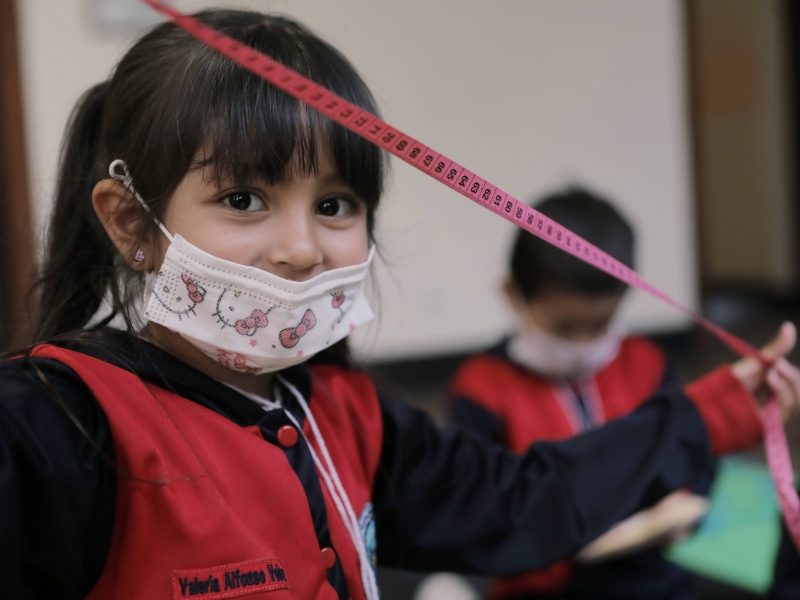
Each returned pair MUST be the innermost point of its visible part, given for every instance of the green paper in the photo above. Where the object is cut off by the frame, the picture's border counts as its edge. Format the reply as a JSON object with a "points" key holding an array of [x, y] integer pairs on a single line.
{"points": [[738, 539]]}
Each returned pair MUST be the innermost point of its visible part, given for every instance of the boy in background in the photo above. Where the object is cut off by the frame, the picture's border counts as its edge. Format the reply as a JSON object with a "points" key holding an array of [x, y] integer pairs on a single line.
{"points": [[569, 368]]}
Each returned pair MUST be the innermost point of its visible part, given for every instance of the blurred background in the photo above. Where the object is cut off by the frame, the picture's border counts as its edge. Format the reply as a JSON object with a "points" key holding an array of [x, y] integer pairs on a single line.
{"points": [[684, 112]]}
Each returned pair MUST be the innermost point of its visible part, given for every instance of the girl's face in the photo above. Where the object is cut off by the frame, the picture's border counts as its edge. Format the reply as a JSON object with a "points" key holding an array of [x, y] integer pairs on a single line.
{"points": [[295, 229]]}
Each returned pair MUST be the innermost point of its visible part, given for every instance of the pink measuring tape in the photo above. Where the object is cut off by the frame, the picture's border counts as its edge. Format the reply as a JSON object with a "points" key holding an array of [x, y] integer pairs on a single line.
{"points": [[477, 189]]}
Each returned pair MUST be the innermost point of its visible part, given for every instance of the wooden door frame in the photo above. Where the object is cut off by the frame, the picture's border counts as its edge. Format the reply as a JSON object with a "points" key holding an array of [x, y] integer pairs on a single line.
{"points": [[693, 101], [17, 256]]}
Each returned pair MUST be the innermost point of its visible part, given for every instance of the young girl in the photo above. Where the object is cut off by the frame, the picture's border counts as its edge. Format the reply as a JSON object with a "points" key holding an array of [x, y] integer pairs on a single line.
{"points": [[222, 445]]}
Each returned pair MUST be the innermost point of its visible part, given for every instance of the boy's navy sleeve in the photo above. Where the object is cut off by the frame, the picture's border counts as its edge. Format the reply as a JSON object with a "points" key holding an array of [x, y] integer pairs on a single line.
{"points": [[57, 494], [446, 500], [671, 381], [467, 413]]}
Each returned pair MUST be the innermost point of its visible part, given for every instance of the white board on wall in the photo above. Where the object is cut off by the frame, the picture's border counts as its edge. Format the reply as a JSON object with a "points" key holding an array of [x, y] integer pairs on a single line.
{"points": [[532, 95]]}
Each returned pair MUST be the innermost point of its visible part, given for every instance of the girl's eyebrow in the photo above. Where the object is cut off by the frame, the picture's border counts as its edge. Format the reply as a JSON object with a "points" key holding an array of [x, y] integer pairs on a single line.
{"points": [[333, 180], [332, 177]]}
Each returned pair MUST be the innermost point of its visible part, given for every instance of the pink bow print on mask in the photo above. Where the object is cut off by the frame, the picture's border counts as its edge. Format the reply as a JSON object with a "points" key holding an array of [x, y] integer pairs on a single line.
{"points": [[196, 293], [338, 300], [249, 325], [290, 336]]}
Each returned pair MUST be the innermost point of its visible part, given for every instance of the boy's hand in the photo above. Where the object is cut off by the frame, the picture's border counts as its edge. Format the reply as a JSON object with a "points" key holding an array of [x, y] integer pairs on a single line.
{"points": [[782, 379], [667, 522]]}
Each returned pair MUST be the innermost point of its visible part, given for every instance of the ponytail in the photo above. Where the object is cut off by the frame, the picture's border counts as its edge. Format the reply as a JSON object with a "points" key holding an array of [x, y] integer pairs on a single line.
{"points": [[78, 267]]}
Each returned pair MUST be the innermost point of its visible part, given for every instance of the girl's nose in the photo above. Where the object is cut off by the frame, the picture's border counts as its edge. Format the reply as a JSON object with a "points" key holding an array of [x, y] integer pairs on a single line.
{"points": [[295, 253]]}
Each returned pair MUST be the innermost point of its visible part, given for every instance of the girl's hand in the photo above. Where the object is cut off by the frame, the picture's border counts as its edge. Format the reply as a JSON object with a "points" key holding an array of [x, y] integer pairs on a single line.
{"points": [[782, 379]]}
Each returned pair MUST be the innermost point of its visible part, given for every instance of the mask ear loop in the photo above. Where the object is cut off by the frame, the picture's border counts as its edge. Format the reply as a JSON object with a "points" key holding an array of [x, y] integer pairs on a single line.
{"points": [[125, 178]]}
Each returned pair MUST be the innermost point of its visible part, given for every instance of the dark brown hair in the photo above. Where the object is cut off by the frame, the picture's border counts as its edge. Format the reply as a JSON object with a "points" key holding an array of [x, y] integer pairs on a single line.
{"points": [[169, 99], [537, 266]]}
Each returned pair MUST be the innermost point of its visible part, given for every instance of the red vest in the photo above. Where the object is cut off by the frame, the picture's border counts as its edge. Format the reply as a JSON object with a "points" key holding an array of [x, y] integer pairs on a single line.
{"points": [[207, 509], [532, 409]]}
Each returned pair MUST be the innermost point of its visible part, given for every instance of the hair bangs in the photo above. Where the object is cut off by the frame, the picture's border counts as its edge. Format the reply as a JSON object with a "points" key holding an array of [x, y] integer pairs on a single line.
{"points": [[243, 128]]}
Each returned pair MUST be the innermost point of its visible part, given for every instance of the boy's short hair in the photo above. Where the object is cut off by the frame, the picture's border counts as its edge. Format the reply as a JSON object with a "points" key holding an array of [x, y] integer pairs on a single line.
{"points": [[537, 265]]}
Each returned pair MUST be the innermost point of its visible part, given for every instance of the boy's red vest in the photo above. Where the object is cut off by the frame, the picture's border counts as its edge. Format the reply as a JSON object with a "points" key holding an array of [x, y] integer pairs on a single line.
{"points": [[528, 405], [531, 410], [207, 509]]}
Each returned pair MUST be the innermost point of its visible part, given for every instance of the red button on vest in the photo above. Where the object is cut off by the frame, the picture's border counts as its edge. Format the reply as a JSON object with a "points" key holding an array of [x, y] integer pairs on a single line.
{"points": [[328, 557], [287, 436]]}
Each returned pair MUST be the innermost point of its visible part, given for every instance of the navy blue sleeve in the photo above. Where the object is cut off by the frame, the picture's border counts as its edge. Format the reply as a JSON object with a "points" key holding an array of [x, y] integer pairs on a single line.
{"points": [[465, 412], [670, 383], [57, 492], [446, 500]]}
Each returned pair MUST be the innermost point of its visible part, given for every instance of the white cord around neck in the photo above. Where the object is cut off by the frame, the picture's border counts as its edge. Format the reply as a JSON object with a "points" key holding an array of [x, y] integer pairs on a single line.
{"points": [[335, 488], [261, 401]]}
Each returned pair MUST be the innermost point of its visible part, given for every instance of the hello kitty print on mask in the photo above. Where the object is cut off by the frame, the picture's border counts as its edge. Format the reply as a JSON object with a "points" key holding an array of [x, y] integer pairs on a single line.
{"points": [[242, 329], [229, 314], [237, 362], [182, 306], [250, 320]]}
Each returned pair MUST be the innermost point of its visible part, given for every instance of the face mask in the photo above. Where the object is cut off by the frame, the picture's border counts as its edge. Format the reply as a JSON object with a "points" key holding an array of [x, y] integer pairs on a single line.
{"points": [[244, 318], [556, 357]]}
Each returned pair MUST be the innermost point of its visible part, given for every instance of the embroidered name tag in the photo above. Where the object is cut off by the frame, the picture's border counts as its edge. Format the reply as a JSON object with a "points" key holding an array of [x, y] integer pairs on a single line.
{"points": [[230, 581]]}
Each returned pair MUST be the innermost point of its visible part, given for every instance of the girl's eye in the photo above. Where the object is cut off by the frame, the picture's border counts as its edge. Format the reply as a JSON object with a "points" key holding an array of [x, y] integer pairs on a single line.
{"points": [[243, 201], [334, 207]]}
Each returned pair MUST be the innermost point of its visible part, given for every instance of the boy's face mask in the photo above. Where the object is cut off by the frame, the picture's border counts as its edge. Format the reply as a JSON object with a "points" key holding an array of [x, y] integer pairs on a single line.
{"points": [[552, 356], [245, 318]]}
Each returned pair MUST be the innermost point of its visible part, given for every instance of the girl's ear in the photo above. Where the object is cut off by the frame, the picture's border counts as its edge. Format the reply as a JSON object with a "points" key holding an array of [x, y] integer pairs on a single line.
{"points": [[122, 217]]}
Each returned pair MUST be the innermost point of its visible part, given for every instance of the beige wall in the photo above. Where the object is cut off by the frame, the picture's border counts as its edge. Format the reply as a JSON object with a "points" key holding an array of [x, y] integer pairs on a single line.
{"points": [[530, 94]]}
